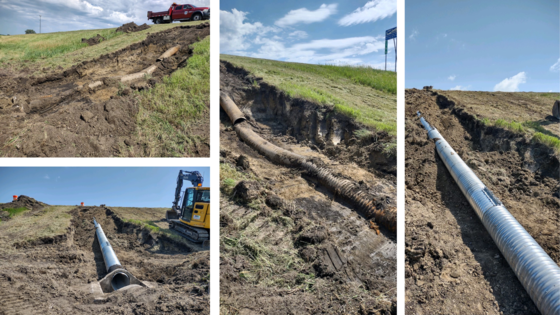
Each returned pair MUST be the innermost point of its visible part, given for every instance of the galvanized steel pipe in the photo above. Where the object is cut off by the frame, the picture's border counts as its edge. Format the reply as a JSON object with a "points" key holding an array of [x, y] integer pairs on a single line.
{"points": [[120, 279], [538, 273], [341, 187]]}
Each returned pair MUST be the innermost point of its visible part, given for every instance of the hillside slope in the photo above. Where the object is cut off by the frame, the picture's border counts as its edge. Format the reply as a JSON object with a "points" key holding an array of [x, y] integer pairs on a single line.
{"points": [[59, 111]]}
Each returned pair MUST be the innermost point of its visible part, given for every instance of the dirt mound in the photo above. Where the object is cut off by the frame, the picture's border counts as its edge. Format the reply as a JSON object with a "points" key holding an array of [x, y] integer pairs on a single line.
{"points": [[56, 275], [132, 27], [452, 264], [60, 115], [24, 202], [93, 40]]}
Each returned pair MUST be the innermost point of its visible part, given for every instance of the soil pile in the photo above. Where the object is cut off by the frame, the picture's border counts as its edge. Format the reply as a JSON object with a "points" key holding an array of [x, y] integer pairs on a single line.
{"points": [[289, 246], [60, 115], [24, 201], [55, 275], [93, 40], [132, 27], [452, 263]]}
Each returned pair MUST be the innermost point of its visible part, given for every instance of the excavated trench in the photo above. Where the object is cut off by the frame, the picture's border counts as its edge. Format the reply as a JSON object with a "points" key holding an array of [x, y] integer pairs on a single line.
{"points": [[88, 110], [452, 264], [57, 273], [349, 255]]}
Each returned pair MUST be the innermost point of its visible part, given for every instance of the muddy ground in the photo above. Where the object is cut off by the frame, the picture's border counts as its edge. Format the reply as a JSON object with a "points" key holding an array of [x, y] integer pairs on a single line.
{"points": [[452, 263], [51, 275], [288, 246], [59, 115]]}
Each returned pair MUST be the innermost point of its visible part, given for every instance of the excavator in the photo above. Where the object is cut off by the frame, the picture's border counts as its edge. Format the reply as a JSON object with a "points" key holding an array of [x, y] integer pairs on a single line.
{"points": [[190, 216]]}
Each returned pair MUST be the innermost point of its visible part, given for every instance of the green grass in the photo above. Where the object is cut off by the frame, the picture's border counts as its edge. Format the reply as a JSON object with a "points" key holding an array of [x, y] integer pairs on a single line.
{"points": [[171, 110], [150, 225], [533, 128], [511, 125], [362, 133], [365, 94], [550, 141], [230, 176], [65, 49], [14, 211]]}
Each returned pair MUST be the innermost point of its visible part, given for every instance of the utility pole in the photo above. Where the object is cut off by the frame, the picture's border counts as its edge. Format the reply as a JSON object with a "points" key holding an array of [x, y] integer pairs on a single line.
{"points": [[39, 24]]}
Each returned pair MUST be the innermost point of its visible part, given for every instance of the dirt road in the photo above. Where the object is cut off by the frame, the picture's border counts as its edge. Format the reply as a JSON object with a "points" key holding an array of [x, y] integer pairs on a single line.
{"points": [[52, 274], [288, 245], [60, 115], [452, 264]]}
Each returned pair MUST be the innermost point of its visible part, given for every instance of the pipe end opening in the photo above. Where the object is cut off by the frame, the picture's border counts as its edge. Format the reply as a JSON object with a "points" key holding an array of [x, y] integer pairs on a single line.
{"points": [[120, 280], [239, 120]]}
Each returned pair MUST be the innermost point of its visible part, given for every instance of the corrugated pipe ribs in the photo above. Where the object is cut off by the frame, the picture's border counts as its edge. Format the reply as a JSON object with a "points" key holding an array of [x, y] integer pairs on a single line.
{"points": [[349, 190], [536, 271]]}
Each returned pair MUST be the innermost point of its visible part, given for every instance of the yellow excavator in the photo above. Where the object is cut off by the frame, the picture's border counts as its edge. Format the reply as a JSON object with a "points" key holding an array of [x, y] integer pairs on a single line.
{"points": [[190, 216]]}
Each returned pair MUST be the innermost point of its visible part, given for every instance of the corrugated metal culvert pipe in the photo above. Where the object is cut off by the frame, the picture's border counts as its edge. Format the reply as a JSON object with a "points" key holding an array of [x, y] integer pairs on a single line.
{"points": [[120, 279], [538, 273], [340, 187]]}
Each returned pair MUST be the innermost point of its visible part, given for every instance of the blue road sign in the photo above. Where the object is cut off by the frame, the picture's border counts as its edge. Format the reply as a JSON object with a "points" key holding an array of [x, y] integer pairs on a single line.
{"points": [[391, 33]]}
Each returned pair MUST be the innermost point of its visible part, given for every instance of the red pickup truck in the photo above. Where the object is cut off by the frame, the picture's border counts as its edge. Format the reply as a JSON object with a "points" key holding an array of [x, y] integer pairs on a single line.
{"points": [[180, 12]]}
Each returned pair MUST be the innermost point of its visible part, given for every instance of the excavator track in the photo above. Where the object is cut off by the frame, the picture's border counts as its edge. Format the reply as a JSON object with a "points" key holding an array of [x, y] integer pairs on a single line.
{"points": [[196, 235]]}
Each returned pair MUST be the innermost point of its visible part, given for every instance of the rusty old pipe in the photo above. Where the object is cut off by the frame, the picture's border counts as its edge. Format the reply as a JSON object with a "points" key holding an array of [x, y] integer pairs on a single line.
{"points": [[168, 53], [349, 190], [229, 106]]}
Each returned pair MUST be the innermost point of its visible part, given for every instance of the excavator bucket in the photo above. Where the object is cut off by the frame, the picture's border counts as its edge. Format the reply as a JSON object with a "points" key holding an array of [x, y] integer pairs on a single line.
{"points": [[171, 215]]}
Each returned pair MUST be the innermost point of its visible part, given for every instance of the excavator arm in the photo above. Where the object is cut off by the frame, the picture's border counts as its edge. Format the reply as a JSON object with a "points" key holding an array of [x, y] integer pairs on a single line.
{"points": [[194, 177]]}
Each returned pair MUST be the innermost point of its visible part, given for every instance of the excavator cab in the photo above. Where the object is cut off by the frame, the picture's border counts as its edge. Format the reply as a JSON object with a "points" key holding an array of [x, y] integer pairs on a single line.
{"points": [[191, 215], [196, 207]]}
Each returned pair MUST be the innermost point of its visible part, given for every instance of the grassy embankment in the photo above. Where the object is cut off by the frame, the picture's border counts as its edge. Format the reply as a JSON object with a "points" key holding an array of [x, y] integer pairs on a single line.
{"points": [[55, 220], [51, 221], [168, 113], [152, 219], [65, 49], [521, 112], [365, 94], [172, 110]]}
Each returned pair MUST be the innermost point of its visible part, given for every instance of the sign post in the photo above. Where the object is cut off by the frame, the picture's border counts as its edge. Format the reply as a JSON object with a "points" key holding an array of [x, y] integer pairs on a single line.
{"points": [[391, 34]]}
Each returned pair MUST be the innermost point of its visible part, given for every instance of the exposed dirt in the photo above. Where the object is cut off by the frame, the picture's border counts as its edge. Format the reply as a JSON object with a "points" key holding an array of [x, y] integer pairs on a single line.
{"points": [[300, 121], [93, 40], [319, 255], [452, 263], [53, 275], [534, 107], [132, 27], [60, 115]]}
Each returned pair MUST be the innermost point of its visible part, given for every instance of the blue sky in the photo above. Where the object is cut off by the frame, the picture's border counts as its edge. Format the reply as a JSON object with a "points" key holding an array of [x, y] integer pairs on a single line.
{"points": [[69, 15], [113, 186], [334, 32], [507, 45]]}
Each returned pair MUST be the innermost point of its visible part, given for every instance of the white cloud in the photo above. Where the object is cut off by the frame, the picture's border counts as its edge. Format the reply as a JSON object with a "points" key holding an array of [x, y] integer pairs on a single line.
{"points": [[372, 11], [339, 51], [234, 31], [413, 34], [555, 67], [46, 177], [305, 16], [460, 88], [451, 77], [68, 15], [511, 84], [298, 34]]}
